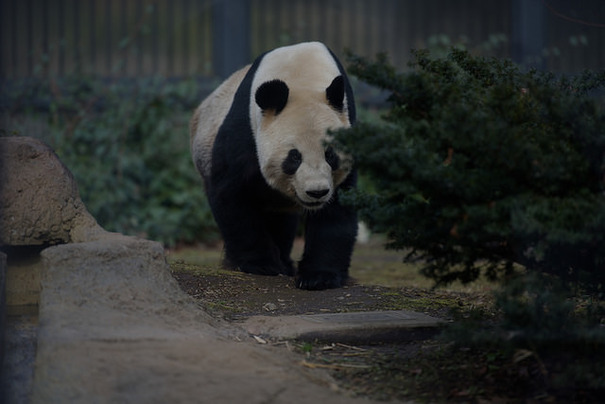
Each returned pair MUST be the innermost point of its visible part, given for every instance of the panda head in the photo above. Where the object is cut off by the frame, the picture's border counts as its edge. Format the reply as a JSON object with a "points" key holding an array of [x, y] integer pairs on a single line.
{"points": [[291, 134]]}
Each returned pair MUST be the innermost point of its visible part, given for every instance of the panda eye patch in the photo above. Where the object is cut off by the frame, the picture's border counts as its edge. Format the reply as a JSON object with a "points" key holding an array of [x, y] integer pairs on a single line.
{"points": [[292, 162], [332, 158]]}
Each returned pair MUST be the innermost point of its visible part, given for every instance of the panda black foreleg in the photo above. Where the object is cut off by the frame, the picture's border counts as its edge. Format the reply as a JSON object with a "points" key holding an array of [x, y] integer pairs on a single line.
{"points": [[329, 240], [283, 227], [249, 243]]}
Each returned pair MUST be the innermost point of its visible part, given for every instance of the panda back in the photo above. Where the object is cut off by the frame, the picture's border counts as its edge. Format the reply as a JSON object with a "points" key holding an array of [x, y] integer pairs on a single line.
{"points": [[209, 117]]}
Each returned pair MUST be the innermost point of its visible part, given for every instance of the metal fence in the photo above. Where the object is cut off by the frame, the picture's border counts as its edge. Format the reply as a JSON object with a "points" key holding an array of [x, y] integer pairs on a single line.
{"points": [[181, 38]]}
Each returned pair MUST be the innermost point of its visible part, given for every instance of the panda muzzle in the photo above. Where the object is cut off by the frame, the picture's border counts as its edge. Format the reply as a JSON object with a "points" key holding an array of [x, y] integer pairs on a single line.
{"points": [[318, 194]]}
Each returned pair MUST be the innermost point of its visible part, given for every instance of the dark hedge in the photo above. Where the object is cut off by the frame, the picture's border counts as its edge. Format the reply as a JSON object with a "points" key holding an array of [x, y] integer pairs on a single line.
{"points": [[478, 165]]}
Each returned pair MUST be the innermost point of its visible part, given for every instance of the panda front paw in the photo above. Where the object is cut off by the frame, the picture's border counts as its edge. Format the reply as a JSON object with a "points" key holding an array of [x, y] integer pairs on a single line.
{"points": [[320, 280]]}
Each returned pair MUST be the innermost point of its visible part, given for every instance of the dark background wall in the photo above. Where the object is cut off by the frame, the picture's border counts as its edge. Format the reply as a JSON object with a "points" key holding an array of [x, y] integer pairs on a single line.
{"points": [[183, 38]]}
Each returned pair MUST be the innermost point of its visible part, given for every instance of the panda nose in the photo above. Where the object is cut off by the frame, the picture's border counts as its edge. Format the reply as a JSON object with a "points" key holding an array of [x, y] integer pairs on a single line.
{"points": [[318, 193]]}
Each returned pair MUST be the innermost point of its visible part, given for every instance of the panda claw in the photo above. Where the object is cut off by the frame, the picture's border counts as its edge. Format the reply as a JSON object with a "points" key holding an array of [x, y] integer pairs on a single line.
{"points": [[320, 281]]}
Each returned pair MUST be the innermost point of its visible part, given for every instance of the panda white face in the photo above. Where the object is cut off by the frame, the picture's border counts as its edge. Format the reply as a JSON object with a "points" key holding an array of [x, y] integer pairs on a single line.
{"points": [[297, 95], [291, 140]]}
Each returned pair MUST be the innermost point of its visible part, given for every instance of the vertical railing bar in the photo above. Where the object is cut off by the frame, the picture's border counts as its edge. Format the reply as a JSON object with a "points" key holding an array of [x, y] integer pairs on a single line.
{"points": [[170, 40], [185, 35], [139, 48], [61, 40], [108, 37], [154, 39], [30, 38], [14, 47], [123, 49], [93, 37], [77, 39]]}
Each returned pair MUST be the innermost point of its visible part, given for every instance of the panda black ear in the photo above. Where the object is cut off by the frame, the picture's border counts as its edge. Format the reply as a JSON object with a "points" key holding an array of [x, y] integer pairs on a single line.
{"points": [[272, 95], [336, 93]]}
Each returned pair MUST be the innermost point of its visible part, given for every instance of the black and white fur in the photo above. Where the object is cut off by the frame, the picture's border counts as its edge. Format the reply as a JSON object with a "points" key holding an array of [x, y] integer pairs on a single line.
{"points": [[258, 142]]}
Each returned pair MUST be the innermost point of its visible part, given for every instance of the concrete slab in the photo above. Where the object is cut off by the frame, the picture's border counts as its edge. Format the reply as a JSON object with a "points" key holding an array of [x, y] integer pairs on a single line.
{"points": [[358, 327]]}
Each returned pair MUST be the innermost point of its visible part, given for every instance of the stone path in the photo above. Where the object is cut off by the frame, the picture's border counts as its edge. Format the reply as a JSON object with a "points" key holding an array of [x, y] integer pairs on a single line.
{"points": [[356, 327]]}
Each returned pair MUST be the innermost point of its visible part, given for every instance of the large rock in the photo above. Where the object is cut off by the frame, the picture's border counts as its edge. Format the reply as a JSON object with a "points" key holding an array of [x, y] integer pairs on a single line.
{"points": [[39, 199]]}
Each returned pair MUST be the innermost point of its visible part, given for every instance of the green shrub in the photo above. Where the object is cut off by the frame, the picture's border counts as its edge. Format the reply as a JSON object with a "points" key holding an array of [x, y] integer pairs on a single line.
{"points": [[478, 165]]}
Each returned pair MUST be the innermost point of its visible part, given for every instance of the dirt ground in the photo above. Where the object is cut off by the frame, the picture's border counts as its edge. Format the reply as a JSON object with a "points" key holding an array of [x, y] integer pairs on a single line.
{"points": [[430, 370], [379, 281], [235, 296]]}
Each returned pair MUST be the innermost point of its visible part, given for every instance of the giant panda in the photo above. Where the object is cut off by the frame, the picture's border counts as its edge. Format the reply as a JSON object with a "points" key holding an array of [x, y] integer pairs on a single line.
{"points": [[259, 144]]}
